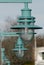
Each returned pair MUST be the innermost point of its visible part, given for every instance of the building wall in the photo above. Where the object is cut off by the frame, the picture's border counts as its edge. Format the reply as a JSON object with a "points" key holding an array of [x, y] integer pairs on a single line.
{"points": [[39, 57]]}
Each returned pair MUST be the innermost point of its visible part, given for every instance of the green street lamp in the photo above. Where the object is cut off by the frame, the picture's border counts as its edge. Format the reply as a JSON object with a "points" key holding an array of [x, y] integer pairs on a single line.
{"points": [[25, 27], [26, 22]]}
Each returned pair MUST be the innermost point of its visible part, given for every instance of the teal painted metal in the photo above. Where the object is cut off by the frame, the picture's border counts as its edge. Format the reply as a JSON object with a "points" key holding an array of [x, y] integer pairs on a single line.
{"points": [[10, 33], [26, 21], [19, 45], [15, 1], [4, 60], [13, 33], [2, 54], [19, 48], [22, 17], [29, 24], [26, 12], [26, 26]]}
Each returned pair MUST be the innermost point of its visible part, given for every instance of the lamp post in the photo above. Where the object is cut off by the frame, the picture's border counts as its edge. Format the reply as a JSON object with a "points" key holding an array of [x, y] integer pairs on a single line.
{"points": [[4, 59], [26, 26]]}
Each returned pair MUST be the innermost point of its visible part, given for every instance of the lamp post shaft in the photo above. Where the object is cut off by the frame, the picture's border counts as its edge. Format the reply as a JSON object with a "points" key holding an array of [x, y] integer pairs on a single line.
{"points": [[26, 5]]}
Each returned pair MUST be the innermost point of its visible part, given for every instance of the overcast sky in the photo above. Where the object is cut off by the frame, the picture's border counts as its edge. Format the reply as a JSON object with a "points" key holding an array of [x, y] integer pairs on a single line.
{"points": [[14, 9]]}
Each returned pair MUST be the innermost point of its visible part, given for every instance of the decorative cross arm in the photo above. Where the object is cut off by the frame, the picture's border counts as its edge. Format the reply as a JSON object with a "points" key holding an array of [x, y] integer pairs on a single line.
{"points": [[8, 34], [13, 33], [15, 1]]}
